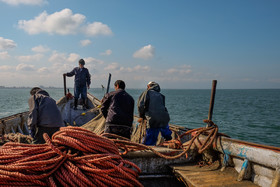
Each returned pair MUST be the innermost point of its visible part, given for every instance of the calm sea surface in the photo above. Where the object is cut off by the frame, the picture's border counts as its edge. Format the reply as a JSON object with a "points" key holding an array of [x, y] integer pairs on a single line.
{"points": [[250, 115]]}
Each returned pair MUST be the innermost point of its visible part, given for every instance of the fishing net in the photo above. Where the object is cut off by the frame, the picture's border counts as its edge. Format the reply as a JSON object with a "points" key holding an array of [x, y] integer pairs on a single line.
{"points": [[97, 125]]}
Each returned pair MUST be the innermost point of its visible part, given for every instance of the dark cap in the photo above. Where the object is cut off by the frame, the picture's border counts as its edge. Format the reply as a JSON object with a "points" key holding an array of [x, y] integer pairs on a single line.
{"points": [[81, 61]]}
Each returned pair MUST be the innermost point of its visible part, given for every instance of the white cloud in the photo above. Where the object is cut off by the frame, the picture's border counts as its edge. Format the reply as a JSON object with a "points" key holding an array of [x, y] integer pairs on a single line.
{"points": [[25, 67], [63, 23], [117, 69], [6, 68], [185, 69], [43, 70], [85, 42], [93, 60], [25, 2], [58, 57], [107, 52], [40, 49], [146, 52], [4, 55], [73, 57], [112, 66], [61, 58], [137, 68], [97, 28], [6, 44], [30, 58]]}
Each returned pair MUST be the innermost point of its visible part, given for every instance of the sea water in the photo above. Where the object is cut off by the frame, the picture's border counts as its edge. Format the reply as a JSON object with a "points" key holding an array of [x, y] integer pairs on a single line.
{"points": [[245, 114]]}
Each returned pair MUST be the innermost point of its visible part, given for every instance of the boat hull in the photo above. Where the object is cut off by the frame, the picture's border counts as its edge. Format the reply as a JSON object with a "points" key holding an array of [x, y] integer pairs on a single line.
{"points": [[261, 162]]}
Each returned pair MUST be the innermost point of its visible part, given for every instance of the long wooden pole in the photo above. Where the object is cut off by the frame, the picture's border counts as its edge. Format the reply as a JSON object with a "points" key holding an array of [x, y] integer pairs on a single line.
{"points": [[213, 92], [108, 85], [64, 83]]}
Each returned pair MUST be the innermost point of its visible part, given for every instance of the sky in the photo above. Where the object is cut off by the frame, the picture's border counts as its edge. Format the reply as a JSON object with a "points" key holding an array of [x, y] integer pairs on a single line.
{"points": [[182, 44]]}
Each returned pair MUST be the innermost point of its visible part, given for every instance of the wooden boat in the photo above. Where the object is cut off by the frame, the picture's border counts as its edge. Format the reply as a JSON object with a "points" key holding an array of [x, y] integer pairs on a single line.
{"points": [[229, 162]]}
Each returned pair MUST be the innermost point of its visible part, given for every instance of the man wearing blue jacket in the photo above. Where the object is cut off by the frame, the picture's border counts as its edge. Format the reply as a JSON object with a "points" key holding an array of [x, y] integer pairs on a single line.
{"points": [[44, 115], [118, 107], [151, 107], [82, 82]]}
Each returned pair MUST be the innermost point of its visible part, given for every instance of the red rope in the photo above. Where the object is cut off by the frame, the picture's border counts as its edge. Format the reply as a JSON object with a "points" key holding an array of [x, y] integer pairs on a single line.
{"points": [[73, 157]]}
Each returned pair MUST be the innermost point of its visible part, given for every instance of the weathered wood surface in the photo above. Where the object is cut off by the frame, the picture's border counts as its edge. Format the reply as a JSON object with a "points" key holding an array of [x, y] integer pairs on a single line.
{"points": [[193, 175]]}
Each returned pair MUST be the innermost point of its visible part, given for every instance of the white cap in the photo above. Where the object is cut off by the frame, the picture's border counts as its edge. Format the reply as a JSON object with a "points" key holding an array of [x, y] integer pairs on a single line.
{"points": [[151, 82]]}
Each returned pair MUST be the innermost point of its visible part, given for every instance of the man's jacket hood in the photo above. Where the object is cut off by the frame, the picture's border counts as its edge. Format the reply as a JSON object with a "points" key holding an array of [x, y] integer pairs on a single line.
{"points": [[43, 92], [155, 87]]}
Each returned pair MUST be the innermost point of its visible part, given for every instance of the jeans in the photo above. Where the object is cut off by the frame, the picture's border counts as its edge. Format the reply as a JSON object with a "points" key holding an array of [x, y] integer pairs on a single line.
{"points": [[152, 135], [80, 90]]}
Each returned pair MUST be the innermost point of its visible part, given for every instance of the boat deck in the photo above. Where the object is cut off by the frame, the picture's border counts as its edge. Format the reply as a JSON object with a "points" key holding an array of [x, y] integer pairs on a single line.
{"points": [[193, 175]]}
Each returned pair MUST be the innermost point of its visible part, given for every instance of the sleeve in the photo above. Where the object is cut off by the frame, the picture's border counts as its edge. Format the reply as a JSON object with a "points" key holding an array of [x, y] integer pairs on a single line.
{"points": [[33, 115], [71, 73], [163, 97], [88, 78], [105, 103], [142, 104]]}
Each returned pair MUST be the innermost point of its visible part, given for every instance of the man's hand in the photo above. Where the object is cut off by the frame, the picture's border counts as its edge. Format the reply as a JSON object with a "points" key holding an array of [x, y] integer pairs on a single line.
{"points": [[140, 120]]}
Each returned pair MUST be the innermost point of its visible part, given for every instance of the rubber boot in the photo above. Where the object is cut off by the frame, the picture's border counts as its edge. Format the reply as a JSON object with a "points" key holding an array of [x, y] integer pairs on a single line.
{"points": [[84, 104], [75, 104]]}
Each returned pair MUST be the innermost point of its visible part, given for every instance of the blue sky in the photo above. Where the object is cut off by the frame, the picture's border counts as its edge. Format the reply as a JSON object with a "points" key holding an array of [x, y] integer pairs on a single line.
{"points": [[179, 44]]}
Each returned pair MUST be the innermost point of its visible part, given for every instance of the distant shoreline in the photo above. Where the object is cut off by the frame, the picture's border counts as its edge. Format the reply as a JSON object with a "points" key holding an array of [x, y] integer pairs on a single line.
{"points": [[52, 87]]}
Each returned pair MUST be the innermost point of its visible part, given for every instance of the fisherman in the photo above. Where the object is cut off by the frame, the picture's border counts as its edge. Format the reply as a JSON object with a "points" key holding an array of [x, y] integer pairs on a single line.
{"points": [[44, 115], [82, 82], [118, 108], [151, 107]]}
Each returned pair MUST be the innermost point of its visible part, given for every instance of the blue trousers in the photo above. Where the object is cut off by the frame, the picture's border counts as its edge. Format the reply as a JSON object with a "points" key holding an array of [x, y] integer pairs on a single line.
{"points": [[152, 135], [80, 90]]}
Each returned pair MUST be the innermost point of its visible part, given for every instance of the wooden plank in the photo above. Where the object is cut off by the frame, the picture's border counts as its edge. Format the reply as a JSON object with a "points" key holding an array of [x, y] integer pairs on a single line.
{"points": [[193, 175]]}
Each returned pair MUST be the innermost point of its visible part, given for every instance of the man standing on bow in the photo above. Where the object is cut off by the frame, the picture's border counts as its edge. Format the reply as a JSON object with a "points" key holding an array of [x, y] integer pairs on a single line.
{"points": [[82, 82], [151, 107]]}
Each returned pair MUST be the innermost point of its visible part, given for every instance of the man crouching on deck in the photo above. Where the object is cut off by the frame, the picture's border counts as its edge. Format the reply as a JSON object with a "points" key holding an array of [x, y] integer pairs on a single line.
{"points": [[118, 107], [44, 115]]}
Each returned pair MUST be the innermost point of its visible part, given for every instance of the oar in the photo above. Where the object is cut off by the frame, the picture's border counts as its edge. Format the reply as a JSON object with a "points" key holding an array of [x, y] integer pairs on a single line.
{"points": [[211, 107], [64, 82], [108, 85]]}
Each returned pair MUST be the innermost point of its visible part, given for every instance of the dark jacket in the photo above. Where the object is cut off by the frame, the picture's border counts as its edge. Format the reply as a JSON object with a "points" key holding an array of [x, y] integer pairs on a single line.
{"points": [[82, 76], [151, 106], [118, 108], [43, 112]]}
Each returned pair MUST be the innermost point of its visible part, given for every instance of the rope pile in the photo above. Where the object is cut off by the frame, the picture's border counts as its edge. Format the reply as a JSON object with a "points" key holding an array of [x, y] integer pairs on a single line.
{"points": [[73, 157], [211, 131]]}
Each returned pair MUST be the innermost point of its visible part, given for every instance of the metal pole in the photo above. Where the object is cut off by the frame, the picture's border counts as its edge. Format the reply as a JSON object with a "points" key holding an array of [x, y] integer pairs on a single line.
{"points": [[108, 85], [213, 92], [64, 82]]}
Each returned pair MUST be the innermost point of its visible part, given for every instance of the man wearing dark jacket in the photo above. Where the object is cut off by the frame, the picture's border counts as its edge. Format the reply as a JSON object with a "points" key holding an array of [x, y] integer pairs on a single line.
{"points": [[118, 107], [44, 115], [82, 82], [151, 106]]}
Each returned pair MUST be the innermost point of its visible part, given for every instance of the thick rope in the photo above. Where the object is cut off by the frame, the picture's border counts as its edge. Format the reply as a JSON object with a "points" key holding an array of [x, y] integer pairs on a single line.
{"points": [[211, 131], [73, 157]]}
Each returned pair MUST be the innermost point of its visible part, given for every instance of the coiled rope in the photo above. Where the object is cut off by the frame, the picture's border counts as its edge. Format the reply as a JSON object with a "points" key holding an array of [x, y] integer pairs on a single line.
{"points": [[73, 157], [211, 131]]}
